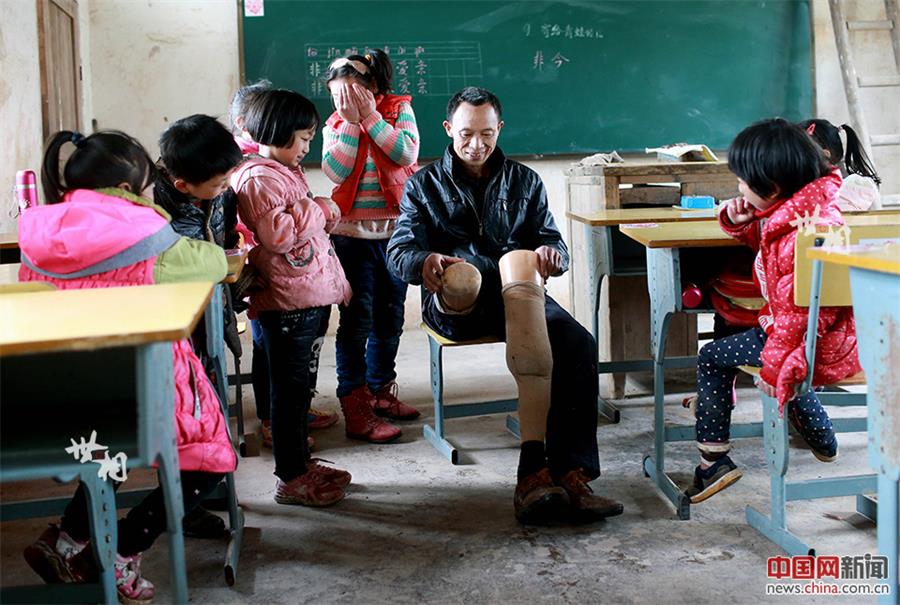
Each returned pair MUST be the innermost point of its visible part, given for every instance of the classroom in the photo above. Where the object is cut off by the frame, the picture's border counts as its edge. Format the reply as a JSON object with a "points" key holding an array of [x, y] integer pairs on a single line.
{"points": [[483, 301]]}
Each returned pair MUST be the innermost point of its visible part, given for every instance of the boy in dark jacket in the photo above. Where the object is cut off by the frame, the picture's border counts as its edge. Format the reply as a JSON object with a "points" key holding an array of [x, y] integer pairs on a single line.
{"points": [[198, 155]]}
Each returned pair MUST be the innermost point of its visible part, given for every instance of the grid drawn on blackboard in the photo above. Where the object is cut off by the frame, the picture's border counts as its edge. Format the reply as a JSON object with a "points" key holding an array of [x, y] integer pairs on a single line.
{"points": [[420, 68]]}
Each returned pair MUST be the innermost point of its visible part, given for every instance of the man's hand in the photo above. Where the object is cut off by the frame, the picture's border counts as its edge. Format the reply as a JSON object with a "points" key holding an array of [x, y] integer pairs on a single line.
{"points": [[549, 261], [739, 211], [433, 270]]}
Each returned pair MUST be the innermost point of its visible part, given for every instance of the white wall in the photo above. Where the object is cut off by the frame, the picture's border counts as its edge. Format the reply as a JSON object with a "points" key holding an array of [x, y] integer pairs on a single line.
{"points": [[20, 100], [161, 60]]}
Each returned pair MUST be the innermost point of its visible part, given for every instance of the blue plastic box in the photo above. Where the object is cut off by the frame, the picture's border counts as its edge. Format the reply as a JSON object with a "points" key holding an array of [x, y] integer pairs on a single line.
{"points": [[698, 202]]}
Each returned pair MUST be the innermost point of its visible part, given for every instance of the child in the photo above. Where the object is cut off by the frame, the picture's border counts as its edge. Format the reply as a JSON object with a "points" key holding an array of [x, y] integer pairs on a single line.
{"points": [[198, 156], [318, 419], [95, 218], [859, 190], [370, 149], [781, 175], [300, 279]]}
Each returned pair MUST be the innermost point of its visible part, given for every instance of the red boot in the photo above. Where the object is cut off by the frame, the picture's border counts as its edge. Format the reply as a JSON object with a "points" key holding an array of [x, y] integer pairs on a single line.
{"points": [[361, 421], [388, 406]]}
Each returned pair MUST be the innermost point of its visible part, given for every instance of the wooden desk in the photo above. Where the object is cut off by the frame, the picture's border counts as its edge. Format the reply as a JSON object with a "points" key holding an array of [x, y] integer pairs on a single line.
{"points": [[875, 288], [617, 216], [86, 360], [78, 320], [664, 244]]}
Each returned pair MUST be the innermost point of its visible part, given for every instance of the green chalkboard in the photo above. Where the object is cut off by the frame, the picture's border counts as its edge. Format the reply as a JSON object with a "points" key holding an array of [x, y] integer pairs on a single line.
{"points": [[573, 76]]}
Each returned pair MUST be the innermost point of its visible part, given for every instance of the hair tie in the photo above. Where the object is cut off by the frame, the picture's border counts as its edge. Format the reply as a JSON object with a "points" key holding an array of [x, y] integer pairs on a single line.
{"points": [[368, 57], [76, 138], [811, 128], [359, 66]]}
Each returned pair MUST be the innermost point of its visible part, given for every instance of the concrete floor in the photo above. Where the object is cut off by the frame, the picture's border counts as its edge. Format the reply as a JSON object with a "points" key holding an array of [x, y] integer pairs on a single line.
{"points": [[415, 529]]}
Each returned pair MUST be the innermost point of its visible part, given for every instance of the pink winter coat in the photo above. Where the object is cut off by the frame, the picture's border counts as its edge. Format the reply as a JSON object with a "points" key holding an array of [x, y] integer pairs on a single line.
{"points": [[773, 236], [298, 265], [67, 243]]}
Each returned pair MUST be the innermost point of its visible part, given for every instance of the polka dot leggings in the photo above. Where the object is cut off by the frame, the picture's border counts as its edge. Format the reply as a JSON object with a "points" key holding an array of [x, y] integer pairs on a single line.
{"points": [[716, 372]]}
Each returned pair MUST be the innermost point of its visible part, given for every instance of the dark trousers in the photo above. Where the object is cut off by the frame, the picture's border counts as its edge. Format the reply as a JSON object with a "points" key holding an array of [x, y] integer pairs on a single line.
{"points": [[716, 371], [288, 337], [368, 335], [260, 367], [572, 422], [145, 522]]}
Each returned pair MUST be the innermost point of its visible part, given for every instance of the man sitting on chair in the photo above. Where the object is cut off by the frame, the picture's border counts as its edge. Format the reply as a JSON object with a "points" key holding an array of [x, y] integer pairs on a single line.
{"points": [[476, 230]]}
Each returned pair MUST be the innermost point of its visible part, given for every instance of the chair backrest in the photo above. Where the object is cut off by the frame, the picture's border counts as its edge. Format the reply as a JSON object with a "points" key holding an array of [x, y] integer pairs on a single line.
{"points": [[809, 276], [835, 290]]}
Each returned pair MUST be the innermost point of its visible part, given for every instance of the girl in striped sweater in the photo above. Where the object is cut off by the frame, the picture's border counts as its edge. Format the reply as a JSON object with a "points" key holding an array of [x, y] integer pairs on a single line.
{"points": [[370, 150]]}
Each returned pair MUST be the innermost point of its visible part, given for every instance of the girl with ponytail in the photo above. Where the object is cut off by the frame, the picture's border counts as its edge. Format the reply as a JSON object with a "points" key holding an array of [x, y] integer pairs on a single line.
{"points": [[370, 149], [859, 190]]}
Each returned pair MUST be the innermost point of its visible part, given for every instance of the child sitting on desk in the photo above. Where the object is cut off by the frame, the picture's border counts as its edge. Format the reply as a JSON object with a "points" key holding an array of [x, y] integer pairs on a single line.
{"points": [[859, 191], [782, 175], [98, 231]]}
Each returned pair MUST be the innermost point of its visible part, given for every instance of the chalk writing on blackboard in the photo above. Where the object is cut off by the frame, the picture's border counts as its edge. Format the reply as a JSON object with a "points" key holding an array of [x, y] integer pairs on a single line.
{"points": [[555, 30], [420, 68]]}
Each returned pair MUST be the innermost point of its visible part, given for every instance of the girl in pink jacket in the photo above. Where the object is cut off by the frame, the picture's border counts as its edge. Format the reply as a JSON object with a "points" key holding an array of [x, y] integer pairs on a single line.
{"points": [[300, 278], [97, 231]]}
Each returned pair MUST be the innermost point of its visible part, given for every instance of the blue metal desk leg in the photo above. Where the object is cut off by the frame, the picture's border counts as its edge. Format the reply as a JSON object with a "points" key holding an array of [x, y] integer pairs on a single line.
{"points": [[159, 386], [435, 436], [663, 279], [775, 441], [596, 269], [101, 502]]}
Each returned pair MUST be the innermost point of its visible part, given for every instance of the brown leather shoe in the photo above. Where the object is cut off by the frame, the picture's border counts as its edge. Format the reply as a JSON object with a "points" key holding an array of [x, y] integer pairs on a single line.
{"points": [[582, 500], [538, 500]]}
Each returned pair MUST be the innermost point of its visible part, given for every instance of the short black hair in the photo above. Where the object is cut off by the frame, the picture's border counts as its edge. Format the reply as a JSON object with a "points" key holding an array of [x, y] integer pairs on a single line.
{"points": [[241, 99], [197, 148], [273, 117], [473, 96], [775, 157]]}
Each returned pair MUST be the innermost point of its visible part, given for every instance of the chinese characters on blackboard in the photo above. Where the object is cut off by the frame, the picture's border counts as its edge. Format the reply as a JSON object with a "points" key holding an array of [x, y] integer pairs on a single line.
{"points": [[420, 68]]}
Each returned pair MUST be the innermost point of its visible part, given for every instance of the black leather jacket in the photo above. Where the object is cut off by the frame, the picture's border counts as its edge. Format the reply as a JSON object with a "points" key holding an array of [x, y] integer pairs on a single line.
{"points": [[437, 214]]}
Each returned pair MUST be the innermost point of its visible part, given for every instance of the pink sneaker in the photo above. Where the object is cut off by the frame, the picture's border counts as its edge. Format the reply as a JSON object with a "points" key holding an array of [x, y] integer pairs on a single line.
{"points": [[312, 488], [51, 556], [133, 588], [340, 477], [320, 419]]}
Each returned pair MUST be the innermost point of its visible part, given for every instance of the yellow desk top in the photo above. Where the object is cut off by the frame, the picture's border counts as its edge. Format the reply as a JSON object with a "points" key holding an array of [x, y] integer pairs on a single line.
{"points": [[694, 234], [885, 259], [875, 217], [9, 239], [620, 216], [71, 320]]}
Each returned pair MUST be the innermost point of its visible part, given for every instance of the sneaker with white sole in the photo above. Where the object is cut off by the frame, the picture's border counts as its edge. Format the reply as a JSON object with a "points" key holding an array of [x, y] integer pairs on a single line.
{"points": [[713, 479]]}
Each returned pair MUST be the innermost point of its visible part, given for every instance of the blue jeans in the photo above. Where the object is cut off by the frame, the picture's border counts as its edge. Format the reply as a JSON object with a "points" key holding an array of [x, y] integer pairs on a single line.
{"points": [[716, 371], [288, 337], [368, 335], [260, 367]]}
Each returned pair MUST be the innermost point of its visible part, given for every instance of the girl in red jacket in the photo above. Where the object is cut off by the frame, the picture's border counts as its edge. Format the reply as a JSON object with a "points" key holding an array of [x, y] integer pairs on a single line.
{"points": [[782, 175], [370, 150]]}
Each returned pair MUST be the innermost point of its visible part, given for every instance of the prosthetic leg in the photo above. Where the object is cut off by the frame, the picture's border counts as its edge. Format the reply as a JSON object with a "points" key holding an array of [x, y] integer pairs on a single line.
{"points": [[530, 361]]}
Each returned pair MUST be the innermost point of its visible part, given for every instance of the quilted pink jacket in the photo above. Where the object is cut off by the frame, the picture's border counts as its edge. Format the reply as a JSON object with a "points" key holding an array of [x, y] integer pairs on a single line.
{"points": [[298, 266], [109, 238]]}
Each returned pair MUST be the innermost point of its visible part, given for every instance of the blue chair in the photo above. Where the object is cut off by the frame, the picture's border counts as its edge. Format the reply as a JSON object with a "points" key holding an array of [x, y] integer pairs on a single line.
{"points": [[435, 435]]}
